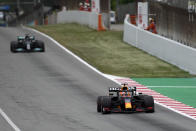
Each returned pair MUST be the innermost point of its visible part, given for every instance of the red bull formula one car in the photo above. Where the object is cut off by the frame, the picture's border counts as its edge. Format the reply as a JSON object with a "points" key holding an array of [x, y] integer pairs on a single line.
{"points": [[125, 99]]}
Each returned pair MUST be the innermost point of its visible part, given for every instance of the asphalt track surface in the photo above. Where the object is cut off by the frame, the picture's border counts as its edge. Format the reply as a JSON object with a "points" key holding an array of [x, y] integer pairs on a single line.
{"points": [[53, 91]]}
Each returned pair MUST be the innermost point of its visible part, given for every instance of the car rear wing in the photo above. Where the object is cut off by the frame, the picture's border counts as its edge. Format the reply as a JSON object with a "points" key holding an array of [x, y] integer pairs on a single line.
{"points": [[118, 89], [23, 37], [20, 37]]}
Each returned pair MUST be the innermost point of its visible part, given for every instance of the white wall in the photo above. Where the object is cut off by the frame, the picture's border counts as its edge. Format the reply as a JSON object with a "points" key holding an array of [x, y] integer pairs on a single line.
{"points": [[168, 50], [130, 34], [80, 17], [52, 19]]}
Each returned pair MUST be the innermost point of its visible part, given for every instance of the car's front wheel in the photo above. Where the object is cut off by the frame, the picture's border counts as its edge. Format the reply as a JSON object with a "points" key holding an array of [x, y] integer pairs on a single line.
{"points": [[13, 46]]}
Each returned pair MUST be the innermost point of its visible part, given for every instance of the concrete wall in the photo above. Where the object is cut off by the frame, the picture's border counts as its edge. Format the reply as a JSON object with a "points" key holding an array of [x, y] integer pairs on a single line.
{"points": [[52, 19], [161, 47], [106, 20], [80, 17]]}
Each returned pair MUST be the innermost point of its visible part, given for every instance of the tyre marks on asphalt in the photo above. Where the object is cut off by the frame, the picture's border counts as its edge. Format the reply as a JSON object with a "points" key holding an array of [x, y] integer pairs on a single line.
{"points": [[160, 99]]}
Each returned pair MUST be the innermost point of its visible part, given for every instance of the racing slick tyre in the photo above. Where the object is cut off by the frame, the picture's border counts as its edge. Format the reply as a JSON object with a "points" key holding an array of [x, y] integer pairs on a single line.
{"points": [[149, 104], [106, 103], [99, 99], [13, 46], [41, 45]]}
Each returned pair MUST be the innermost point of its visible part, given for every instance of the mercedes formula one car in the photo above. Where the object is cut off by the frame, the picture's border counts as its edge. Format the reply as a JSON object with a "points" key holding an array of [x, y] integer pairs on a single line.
{"points": [[27, 43], [125, 99]]}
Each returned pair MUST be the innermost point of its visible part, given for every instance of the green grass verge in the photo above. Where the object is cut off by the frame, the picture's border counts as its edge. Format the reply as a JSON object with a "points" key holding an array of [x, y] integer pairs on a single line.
{"points": [[184, 95], [108, 53], [180, 89], [164, 82]]}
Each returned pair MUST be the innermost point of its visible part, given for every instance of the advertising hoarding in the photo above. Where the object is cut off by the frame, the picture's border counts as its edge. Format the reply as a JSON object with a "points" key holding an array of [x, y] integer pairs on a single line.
{"points": [[142, 14], [95, 6]]}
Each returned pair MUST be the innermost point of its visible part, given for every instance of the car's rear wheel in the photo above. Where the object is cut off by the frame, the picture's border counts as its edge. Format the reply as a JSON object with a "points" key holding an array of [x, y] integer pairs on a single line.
{"points": [[40, 44], [99, 99], [149, 104], [106, 105]]}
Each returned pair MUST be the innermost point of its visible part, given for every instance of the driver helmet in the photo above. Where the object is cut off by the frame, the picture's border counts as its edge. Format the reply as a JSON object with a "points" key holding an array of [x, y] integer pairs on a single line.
{"points": [[124, 87], [124, 90], [27, 36]]}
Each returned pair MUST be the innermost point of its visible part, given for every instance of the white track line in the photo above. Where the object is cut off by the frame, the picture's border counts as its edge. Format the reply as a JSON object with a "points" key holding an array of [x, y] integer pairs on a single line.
{"points": [[9, 120], [104, 75]]}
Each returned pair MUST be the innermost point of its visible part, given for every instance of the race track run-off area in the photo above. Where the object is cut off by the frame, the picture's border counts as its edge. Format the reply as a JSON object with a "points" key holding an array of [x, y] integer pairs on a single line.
{"points": [[160, 99]]}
